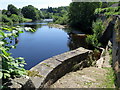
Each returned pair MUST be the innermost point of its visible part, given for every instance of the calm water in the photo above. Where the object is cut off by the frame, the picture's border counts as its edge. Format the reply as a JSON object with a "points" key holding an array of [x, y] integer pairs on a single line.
{"points": [[44, 43], [40, 45]]}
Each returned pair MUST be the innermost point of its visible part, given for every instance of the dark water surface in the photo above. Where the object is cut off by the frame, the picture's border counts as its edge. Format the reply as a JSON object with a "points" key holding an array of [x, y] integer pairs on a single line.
{"points": [[40, 45]]}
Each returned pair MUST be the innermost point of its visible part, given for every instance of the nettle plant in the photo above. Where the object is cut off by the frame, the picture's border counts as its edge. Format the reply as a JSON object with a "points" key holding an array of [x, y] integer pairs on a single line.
{"points": [[10, 66]]}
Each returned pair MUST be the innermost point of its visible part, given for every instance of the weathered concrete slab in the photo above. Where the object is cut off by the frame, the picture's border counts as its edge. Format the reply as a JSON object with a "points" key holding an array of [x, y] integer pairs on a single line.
{"points": [[48, 71], [36, 81], [54, 68]]}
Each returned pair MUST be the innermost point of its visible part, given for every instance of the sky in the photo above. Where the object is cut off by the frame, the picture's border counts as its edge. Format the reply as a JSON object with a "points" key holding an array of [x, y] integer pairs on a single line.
{"points": [[37, 3]]}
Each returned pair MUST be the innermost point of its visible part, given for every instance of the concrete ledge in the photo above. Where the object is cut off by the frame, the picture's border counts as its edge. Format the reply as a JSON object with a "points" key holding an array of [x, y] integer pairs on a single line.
{"points": [[49, 71], [54, 68]]}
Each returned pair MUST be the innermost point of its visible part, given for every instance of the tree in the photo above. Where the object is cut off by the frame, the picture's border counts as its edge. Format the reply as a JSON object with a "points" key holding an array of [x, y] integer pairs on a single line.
{"points": [[30, 12], [4, 11], [81, 15], [12, 9]]}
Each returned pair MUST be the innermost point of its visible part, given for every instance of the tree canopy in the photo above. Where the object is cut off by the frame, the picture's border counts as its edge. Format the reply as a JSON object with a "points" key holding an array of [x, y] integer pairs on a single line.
{"points": [[31, 12], [12, 9], [81, 15]]}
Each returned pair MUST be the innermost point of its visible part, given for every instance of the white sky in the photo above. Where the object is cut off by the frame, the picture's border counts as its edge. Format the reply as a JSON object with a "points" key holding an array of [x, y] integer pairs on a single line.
{"points": [[37, 3]]}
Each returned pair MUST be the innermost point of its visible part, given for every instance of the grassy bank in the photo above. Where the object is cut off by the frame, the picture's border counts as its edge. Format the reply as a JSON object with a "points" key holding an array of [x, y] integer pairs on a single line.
{"points": [[27, 20], [57, 25], [110, 78]]}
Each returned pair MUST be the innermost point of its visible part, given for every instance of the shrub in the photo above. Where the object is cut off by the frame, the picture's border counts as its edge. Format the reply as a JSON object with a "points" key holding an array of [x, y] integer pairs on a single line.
{"points": [[11, 67], [14, 18], [108, 11], [97, 28], [7, 20]]}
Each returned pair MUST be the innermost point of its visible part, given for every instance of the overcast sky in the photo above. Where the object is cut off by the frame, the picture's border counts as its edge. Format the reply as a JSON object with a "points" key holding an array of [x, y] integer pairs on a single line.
{"points": [[37, 3]]}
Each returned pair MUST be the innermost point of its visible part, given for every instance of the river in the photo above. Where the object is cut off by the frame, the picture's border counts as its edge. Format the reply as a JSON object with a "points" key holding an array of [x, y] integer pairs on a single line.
{"points": [[42, 44]]}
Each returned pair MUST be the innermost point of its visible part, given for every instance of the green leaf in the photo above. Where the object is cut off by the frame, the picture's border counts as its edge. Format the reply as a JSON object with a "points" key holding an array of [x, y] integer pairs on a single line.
{"points": [[2, 33], [6, 75], [6, 53], [14, 66], [20, 31]]}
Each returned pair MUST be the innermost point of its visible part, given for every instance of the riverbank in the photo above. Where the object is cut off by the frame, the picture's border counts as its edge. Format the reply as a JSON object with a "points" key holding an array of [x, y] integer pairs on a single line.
{"points": [[58, 26]]}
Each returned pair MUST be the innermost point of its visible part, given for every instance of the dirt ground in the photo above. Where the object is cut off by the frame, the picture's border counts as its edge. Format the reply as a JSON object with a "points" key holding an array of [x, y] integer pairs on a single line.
{"points": [[90, 77]]}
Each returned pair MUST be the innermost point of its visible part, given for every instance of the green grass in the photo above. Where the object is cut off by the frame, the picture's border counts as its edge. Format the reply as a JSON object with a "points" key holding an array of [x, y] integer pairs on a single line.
{"points": [[27, 20], [110, 78]]}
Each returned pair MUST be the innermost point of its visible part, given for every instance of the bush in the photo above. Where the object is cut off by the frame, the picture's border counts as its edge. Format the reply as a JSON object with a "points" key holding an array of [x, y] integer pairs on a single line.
{"points": [[14, 18], [108, 11], [11, 67], [62, 20], [97, 28], [7, 20]]}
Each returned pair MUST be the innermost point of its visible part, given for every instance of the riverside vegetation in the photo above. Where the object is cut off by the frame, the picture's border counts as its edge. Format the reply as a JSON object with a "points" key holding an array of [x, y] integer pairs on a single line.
{"points": [[11, 67], [79, 15]]}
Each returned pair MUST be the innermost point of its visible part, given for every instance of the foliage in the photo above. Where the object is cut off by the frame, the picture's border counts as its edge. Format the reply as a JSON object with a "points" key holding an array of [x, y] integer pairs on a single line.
{"points": [[51, 12], [14, 18], [31, 12], [62, 19], [59, 15], [97, 28], [12, 15], [29, 29], [12, 9], [7, 20], [4, 11], [26, 20], [108, 11], [110, 77], [81, 14], [11, 67]]}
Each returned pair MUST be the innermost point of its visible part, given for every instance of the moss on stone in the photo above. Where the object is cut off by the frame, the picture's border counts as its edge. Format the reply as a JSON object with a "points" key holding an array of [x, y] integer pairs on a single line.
{"points": [[33, 73]]}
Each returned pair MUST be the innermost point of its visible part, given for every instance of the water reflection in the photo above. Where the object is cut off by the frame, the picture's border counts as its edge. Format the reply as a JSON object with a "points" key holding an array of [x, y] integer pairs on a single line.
{"points": [[45, 43], [76, 41], [40, 45], [32, 25]]}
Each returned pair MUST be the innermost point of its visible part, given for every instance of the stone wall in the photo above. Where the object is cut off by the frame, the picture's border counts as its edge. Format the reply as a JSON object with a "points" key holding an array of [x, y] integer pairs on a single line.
{"points": [[116, 49], [108, 32], [48, 71], [112, 33]]}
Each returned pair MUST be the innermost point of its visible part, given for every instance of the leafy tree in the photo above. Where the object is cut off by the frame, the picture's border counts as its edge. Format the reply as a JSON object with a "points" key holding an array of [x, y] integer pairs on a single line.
{"points": [[54, 12], [50, 9], [81, 15], [30, 12], [12, 9], [97, 28], [4, 11]]}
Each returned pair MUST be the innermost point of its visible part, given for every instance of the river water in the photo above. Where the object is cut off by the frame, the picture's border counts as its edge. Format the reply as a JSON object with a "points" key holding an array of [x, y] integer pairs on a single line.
{"points": [[42, 44]]}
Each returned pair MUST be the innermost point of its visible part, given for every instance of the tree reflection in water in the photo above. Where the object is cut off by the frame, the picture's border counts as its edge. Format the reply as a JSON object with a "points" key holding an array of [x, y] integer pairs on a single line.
{"points": [[76, 41]]}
